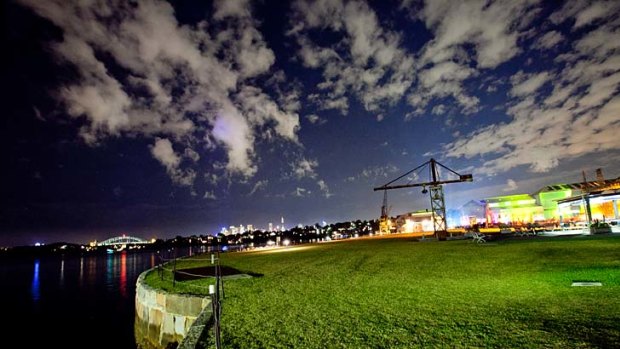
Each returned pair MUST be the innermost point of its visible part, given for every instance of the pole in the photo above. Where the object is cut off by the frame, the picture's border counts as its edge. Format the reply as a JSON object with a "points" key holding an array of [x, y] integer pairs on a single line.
{"points": [[215, 306], [586, 194], [219, 272], [174, 268]]}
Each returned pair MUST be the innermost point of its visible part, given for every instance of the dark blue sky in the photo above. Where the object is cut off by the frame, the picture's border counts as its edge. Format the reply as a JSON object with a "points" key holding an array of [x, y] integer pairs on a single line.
{"points": [[167, 118]]}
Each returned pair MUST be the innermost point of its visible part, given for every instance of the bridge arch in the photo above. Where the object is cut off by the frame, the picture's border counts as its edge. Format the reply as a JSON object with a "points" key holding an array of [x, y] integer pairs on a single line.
{"points": [[123, 240]]}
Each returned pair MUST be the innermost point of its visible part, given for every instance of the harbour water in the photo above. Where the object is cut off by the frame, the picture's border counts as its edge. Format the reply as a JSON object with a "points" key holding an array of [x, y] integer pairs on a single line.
{"points": [[71, 302]]}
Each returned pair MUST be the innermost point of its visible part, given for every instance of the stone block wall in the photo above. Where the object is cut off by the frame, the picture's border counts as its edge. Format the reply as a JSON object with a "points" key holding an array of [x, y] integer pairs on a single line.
{"points": [[162, 318]]}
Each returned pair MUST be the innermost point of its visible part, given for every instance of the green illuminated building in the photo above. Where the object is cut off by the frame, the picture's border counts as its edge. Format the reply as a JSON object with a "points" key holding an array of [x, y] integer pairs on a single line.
{"points": [[548, 198], [555, 204], [519, 208]]}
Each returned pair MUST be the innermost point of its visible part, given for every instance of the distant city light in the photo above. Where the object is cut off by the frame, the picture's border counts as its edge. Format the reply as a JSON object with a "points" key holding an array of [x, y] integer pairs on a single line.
{"points": [[286, 242]]}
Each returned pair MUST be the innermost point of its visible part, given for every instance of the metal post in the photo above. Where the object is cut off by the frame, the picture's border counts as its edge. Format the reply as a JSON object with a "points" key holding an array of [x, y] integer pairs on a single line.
{"points": [[218, 310], [586, 194], [215, 308], [219, 272], [174, 268]]}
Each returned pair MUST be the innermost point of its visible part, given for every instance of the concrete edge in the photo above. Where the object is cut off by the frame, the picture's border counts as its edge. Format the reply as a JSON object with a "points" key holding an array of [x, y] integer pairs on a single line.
{"points": [[196, 332]]}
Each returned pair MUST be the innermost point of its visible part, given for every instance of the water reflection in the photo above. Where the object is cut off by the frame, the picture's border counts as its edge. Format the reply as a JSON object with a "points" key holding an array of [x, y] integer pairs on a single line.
{"points": [[36, 295], [84, 293], [62, 273], [92, 270], [109, 272], [81, 271], [123, 279]]}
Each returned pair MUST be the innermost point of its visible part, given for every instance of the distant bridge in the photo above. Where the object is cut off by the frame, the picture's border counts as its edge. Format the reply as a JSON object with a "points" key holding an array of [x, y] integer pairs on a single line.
{"points": [[123, 240]]}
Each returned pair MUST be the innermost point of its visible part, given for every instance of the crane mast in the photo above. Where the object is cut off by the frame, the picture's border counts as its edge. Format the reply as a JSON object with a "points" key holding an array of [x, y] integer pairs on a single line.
{"points": [[384, 221]]}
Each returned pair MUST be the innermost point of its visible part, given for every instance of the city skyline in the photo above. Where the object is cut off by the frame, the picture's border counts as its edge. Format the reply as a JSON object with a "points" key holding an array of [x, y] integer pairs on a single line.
{"points": [[182, 118]]}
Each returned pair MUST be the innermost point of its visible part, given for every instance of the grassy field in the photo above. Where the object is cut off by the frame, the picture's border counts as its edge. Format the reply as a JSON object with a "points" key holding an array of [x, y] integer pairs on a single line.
{"points": [[398, 293]]}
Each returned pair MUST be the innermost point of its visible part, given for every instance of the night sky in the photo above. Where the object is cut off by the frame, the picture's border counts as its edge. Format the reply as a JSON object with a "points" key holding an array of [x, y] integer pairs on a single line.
{"points": [[161, 118]]}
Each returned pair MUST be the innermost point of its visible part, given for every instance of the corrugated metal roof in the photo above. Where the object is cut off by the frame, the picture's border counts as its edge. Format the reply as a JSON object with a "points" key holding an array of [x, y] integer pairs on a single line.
{"points": [[591, 185]]}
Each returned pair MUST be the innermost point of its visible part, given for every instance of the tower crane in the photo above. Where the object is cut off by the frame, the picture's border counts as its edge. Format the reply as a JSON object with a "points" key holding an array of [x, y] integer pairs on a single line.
{"points": [[385, 225], [435, 184]]}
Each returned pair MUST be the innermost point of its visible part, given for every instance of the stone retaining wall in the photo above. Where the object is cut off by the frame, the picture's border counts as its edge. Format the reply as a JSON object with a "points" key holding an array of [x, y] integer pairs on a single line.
{"points": [[163, 318]]}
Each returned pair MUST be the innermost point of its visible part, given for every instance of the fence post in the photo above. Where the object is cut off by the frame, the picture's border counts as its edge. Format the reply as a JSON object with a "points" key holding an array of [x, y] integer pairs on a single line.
{"points": [[174, 268], [219, 273], [216, 307]]}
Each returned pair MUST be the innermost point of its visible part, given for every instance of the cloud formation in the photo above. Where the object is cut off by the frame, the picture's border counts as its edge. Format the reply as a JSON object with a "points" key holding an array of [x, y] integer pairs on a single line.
{"points": [[163, 152], [468, 37], [324, 189], [140, 72], [305, 168], [208, 95], [577, 116], [368, 61], [511, 185]]}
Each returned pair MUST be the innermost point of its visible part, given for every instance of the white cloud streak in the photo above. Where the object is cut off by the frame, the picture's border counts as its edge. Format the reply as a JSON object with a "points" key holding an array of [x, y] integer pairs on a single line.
{"points": [[260, 185], [324, 189]]}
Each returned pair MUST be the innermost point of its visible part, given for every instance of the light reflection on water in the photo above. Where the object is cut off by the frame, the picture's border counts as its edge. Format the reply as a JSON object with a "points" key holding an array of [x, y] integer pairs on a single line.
{"points": [[35, 282], [67, 299], [123, 278], [75, 301], [62, 273]]}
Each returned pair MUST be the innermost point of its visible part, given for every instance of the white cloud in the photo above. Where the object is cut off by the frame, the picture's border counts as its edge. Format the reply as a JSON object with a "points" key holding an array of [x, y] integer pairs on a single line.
{"points": [[315, 119], [305, 168], [191, 154], [439, 109], [585, 12], [236, 8], [232, 130], [300, 192], [468, 37], [527, 84], [511, 185], [163, 152], [186, 81], [596, 11], [492, 28], [577, 117], [260, 185], [377, 172], [260, 109], [324, 189], [368, 62], [209, 195], [549, 40]]}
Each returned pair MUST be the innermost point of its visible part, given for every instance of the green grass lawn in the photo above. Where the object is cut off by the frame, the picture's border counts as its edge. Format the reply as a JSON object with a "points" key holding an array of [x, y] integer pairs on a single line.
{"points": [[388, 293]]}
